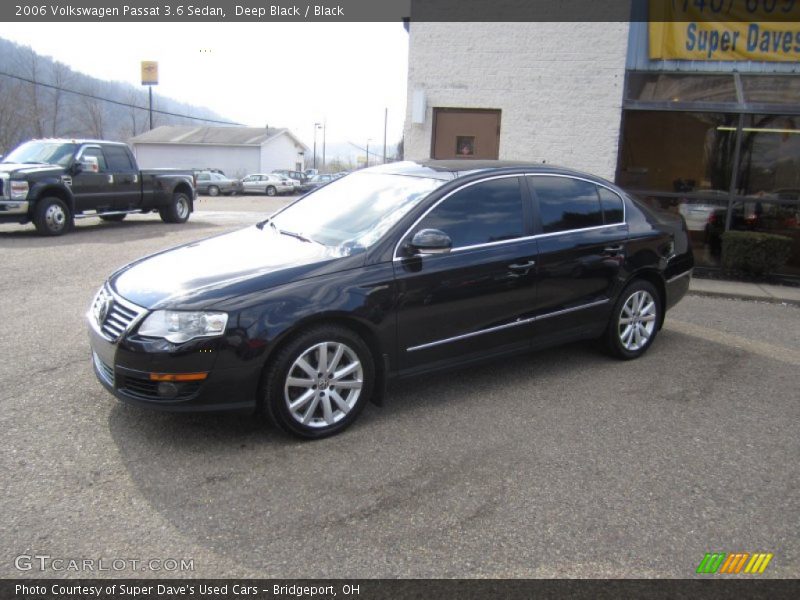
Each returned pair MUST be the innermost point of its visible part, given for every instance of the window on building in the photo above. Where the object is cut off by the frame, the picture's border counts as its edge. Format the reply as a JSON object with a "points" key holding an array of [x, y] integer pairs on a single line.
{"points": [[489, 211], [566, 203]]}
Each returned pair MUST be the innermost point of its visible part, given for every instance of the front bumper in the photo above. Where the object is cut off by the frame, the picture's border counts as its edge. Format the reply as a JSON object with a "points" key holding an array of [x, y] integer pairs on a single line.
{"points": [[125, 371], [13, 207]]}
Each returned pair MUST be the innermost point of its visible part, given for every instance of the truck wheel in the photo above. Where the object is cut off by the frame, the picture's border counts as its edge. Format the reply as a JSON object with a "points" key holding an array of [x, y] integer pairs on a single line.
{"points": [[113, 218], [52, 216], [271, 191], [178, 210], [213, 191]]}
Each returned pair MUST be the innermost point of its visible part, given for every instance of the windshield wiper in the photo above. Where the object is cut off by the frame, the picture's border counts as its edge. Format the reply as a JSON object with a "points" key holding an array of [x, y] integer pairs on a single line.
{"points": [[298, 236], [266, 222]]}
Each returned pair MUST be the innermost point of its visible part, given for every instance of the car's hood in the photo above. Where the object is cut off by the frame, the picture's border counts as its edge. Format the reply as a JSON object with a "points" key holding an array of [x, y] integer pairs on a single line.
{"points": [[21, 169], [202, 274]]}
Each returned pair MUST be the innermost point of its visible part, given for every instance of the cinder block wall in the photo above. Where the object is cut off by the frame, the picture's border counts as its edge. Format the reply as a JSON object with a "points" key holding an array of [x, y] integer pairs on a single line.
{"points": [[559, 86]]}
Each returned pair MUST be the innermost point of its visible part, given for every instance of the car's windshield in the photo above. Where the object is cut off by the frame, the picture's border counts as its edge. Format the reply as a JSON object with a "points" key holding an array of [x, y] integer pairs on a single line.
{"points": [[48, 153], [354, 212]]}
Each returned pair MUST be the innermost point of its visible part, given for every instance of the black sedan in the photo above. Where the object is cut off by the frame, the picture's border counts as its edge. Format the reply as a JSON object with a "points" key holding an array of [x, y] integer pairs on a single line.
{"points": [[386, 273]]}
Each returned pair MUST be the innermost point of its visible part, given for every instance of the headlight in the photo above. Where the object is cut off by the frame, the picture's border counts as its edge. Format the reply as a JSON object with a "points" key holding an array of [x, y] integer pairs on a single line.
{"points": [[179, 326], [18, 190]]}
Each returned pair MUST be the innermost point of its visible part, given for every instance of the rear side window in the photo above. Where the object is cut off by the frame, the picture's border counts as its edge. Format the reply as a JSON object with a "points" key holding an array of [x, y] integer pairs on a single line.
{"points": [[566, 203], [118, 159], [612, 206], [490, 211]]}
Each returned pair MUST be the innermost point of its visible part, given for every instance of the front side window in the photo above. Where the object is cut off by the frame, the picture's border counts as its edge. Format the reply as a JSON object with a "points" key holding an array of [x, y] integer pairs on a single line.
{"points": [[566, 203], [96, 153], [490, 211]]}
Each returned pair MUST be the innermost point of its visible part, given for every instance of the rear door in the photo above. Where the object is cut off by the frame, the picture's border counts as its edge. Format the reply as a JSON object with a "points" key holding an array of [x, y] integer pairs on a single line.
{"points": [[582, 243], [125, 184], [474, 299]]}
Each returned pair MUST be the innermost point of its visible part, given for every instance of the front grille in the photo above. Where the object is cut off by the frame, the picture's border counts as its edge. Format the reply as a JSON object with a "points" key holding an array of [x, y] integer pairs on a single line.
{"points": [[113, 315], [105, 371], [144, 389]]}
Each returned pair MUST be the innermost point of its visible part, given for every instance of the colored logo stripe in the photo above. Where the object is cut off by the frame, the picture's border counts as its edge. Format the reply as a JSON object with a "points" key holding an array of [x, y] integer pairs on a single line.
{"points": [[733, 563]]}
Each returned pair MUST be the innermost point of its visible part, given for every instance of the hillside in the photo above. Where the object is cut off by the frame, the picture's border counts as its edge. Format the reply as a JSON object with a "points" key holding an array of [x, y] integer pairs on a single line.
{"points": [[29, 111]]}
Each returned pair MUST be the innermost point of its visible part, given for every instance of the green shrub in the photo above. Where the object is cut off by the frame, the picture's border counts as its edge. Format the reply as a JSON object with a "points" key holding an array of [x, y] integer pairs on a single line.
{"points": [[755, 253]]}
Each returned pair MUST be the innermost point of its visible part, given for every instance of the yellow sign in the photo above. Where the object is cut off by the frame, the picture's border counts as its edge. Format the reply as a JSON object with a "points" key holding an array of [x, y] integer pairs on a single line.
{"points": [[149, 72], [746, 30]]}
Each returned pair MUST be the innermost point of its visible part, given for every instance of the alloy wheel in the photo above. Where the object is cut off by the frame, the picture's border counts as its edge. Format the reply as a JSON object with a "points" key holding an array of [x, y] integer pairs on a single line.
{"points": [[323, 384], [637, 320]]}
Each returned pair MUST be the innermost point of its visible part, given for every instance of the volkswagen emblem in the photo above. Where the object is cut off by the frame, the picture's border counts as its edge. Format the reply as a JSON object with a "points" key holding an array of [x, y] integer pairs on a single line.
{"points": [[101, 305]]}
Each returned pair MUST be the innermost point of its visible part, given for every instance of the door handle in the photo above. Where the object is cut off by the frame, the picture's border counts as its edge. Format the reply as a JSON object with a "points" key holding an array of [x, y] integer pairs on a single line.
{"points": [[614, 249], [523, 266]]}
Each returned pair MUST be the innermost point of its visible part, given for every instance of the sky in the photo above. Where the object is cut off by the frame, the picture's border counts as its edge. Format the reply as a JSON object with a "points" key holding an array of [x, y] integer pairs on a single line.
{"points": [[277, 74]]}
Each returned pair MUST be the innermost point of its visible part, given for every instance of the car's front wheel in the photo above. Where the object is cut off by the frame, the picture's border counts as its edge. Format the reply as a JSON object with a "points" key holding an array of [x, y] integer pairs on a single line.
{"points": [[319, 382], [635, 320], [52, 217]]}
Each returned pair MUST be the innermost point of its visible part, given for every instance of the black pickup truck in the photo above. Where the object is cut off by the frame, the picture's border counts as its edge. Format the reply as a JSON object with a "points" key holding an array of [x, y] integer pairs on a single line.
{"points": [[52, 182]]}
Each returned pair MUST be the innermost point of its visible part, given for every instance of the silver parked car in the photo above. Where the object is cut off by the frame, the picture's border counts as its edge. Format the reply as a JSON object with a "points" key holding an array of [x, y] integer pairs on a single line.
{"points": [[266, 183], [214, 184]]}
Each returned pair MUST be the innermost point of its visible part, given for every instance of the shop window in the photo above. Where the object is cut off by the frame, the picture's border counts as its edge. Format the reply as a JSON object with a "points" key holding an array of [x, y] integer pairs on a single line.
{"points": [[676, 151], [660, 88]]}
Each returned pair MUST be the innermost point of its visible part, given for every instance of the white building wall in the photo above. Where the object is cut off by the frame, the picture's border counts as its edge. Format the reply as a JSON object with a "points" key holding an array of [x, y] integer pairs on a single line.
{"points": [[235, 161], [280, 153], [559, 87]]}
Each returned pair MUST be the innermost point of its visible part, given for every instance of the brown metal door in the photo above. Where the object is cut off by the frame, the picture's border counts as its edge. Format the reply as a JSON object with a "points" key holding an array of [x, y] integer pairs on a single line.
{"points": [[466, 133]]}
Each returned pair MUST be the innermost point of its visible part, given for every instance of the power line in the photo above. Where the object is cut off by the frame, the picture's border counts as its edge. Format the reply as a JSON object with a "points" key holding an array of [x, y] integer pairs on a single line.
{"points": [[117, 102]]}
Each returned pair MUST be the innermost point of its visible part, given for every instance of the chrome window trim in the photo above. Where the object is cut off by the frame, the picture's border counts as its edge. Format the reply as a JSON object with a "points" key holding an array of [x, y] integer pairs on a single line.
{"points": [[680, 275], [516, 323], [396, 257]]}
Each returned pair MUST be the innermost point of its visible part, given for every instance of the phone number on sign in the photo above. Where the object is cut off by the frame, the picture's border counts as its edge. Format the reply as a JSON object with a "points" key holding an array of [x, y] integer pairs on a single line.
{"points": [[760, 7]]}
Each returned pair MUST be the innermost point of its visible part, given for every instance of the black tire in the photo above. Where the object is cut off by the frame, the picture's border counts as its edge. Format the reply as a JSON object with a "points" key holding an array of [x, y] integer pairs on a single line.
{"points": [[113, 218], [271, 191], [631, 331], [52, 216], [213, 190], [178, 210], [277, 393]]}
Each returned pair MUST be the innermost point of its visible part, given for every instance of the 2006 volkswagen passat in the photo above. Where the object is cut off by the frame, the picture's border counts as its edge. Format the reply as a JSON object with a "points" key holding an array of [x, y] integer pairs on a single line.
{"points": [[387, 272]]}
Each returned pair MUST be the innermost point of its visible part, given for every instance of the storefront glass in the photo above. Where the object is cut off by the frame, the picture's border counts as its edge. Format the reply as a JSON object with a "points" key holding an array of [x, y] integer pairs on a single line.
{"points": [[687, 162]]}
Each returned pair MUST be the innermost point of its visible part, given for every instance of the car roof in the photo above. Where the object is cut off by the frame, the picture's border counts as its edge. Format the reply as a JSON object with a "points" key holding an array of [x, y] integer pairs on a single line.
{"points": [[453, 169], [78, 141]]}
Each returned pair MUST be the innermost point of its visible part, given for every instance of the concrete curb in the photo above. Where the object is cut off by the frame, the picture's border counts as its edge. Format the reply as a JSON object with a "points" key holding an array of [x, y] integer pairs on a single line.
{"points": [[743, 296]]}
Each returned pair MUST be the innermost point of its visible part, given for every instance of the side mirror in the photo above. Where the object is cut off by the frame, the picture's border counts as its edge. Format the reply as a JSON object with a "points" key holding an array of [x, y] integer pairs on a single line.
{"points": [[88, 164], [430, 241]]}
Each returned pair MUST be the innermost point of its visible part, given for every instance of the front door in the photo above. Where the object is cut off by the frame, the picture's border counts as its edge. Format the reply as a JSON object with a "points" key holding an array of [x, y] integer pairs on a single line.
{"points": [[91, 188], [474, 298], [581, 251], [466, 133]]}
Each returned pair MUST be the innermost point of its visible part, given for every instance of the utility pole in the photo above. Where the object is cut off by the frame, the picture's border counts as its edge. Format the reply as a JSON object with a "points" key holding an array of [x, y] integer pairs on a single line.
{"points": [[324, 131], [366, 164], [150, 78], [316, 126], [385, 121]]}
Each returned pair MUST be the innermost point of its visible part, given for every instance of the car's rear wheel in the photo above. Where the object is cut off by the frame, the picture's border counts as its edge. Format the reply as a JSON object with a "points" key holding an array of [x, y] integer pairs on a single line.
{"points": [[271, 191], [178, 210], [113, 218], [635, 320], [319, 382], [52, 216], [213, 190]]}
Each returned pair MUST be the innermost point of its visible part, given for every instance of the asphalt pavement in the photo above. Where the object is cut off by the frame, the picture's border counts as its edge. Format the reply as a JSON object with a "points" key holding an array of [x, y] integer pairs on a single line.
{"points": [[563, 463]]}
